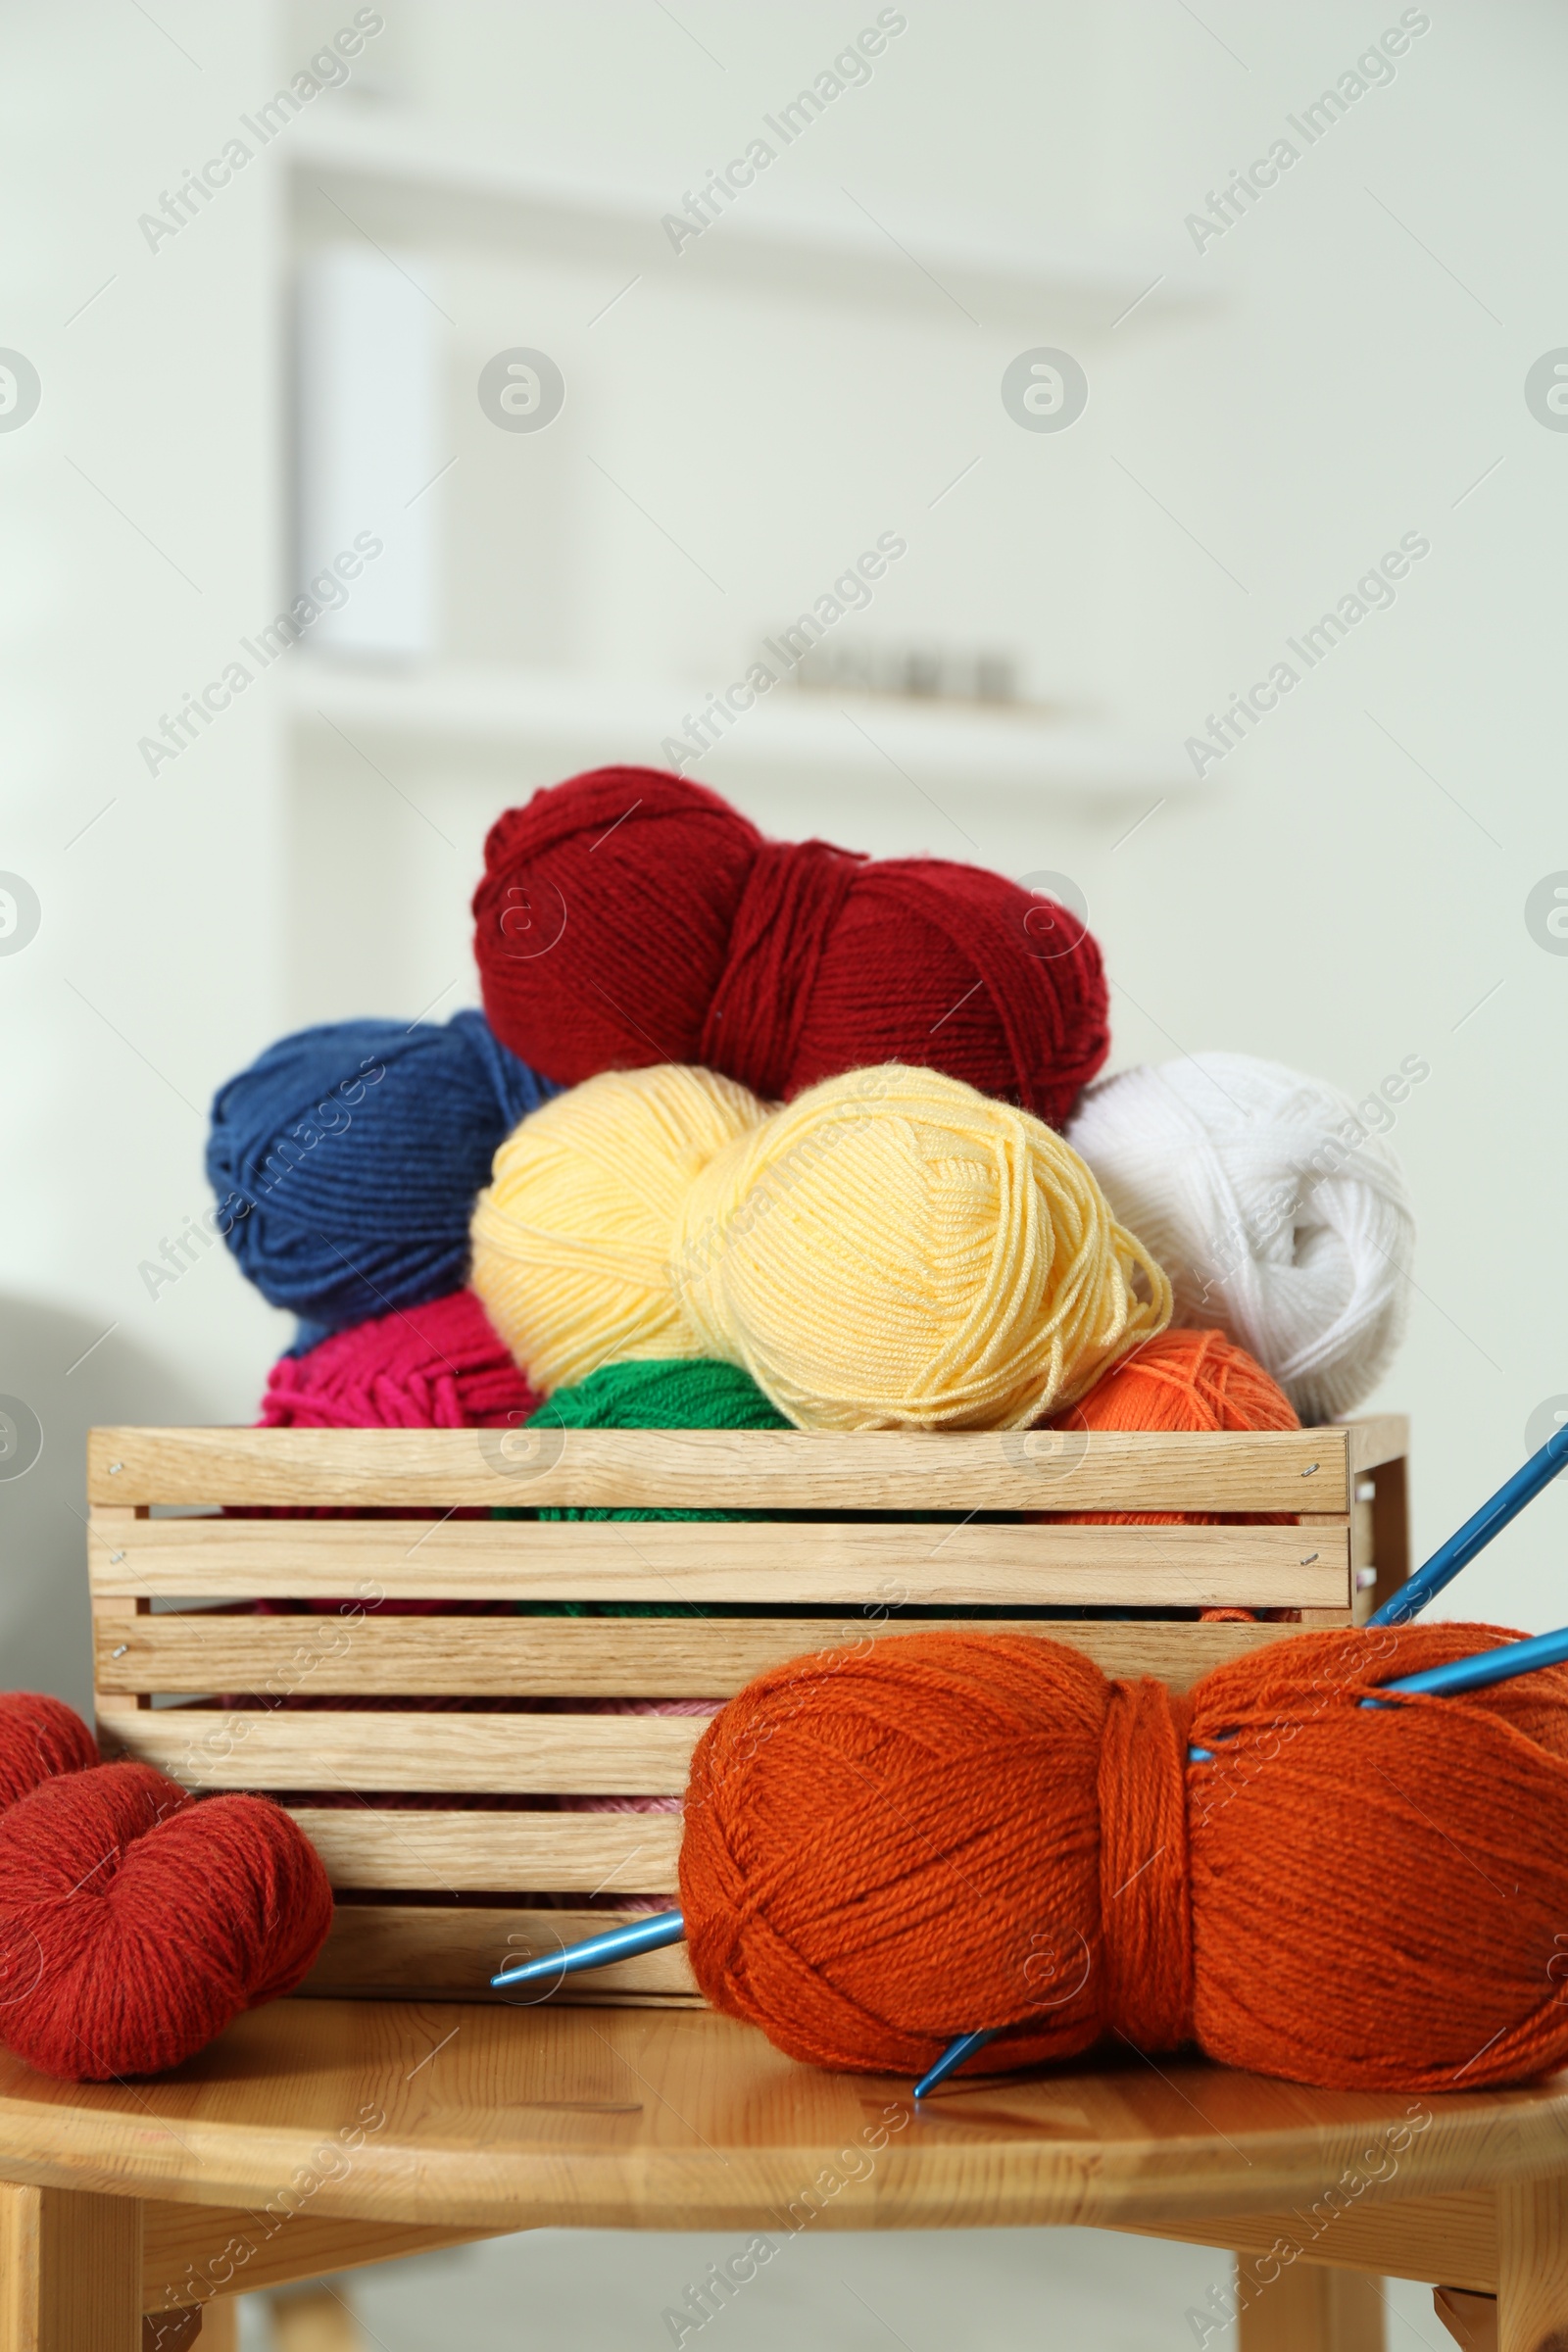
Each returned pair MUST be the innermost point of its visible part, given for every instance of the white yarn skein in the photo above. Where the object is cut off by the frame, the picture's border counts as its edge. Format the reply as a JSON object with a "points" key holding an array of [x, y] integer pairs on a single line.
{"points": [[1278, 1217]]}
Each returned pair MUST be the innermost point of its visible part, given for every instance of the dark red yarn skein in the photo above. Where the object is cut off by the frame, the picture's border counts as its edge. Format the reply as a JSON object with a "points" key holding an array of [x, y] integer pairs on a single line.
{"points": [[39, 1738], [135, 1922], [889, 1845], [629, 917]]}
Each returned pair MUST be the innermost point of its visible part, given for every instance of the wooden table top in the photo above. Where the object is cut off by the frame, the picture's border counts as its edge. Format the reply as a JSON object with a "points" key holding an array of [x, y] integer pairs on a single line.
{"points": [[498, 2118]]}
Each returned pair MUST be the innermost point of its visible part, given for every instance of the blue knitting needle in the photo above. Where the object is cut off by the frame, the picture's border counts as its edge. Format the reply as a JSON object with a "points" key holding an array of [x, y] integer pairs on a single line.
{"points": [[616, 1943], [1474, 1673], [1461, 1547]]}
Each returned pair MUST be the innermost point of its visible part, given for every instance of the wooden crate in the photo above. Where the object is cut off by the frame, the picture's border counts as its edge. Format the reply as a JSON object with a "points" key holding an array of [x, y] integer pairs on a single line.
{"points": [[433, 1897]]}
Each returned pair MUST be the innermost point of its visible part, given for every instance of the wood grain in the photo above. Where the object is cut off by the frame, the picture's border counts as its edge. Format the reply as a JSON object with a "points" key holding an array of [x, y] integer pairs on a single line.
{"points": [[1377, 1437], [872, 1470], [70, 2271], [872, 1567], [495, 2118], [207, 2254], [1453, 2239], [495, 1755], [317, 2320], [576, 1657], [1533, 2264], [180, 2330], [1471, 2319], [1391, 1528], [485, 1852], [1306, 2310]]}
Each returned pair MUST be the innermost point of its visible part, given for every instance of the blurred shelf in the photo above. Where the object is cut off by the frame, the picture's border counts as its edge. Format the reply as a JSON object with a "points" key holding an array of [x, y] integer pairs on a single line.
{"points": [[596, 720], [398, 173]]}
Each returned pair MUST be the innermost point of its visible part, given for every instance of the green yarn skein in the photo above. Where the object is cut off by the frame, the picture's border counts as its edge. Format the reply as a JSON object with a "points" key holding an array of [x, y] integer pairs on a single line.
{"points": [[690, 1394]]}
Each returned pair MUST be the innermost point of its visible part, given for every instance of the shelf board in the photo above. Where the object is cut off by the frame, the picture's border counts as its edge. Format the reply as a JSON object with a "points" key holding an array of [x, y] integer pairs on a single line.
{"points": [[401, 175], [596, 720]]}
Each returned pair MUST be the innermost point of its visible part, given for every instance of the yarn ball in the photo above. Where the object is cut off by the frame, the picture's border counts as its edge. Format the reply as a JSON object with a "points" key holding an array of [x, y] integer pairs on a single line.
{"points": [[135, 1924], [694, 1394], [890, 1250], [39, 1738], [438, 1365], [1275, 1213], [691, 1395], [346, 1158], [956, 1830], [1182, 1380], [629, 917]]}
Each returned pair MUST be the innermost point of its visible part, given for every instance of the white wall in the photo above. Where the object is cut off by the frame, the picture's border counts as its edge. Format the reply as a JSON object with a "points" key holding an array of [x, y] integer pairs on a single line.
{"points": [[1326, 384], [140, 526]]}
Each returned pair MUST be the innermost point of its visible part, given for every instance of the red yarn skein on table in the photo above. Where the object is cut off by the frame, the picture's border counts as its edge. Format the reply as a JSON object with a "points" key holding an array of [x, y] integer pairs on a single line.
{"points": [[39, 1738], [957, 1830], [628, 918], [134, 1922]]}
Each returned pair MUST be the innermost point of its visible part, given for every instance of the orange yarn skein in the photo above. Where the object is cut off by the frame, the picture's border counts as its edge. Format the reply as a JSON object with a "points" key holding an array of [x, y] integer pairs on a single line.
{"points": [[1184, 1379], [1180, 1380], [890, 1845]]}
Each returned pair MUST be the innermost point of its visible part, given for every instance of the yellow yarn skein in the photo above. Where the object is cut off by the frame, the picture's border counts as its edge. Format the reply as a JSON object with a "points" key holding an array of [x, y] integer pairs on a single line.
{"points": [[890, 1251]]}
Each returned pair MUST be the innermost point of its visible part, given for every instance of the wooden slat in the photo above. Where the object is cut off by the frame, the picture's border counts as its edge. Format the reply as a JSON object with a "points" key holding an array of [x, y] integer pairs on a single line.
{"points": [[453, 1657], [369, 1848], [745, 1469], [662, 1561], [1452, 2237], [495, 1755], [454, 1950], [198, 2253]]}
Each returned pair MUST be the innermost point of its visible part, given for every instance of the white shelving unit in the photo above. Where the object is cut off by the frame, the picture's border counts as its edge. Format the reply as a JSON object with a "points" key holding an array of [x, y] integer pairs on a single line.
{"points": [[398, 176], [411, 186], [1000, 752]]}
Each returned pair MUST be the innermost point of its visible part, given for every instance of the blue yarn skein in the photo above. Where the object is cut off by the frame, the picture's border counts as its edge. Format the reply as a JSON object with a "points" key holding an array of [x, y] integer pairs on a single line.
{"points": [[346, 1158]]}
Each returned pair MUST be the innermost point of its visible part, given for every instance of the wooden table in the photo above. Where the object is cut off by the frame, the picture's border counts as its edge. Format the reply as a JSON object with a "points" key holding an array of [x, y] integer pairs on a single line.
{"points": [[319, 2134]]}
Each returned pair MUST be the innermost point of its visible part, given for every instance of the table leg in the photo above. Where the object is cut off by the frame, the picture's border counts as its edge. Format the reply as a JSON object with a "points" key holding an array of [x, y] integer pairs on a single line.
{"points": [[1533, 2266], [70, 2271], [1470, 2319], [1310, 2308], [316, 2321]]}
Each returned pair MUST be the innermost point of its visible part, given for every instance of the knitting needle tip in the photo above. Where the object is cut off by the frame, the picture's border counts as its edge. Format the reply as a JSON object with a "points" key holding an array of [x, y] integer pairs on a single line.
{"points": [[616, 1943], [952, 2057]]}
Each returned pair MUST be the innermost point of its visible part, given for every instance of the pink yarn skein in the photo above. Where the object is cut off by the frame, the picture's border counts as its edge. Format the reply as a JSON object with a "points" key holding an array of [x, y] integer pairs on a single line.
{"points": [[436, 1366]]}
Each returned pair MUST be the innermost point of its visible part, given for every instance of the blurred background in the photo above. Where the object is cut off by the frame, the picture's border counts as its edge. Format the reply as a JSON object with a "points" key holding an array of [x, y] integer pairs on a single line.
{"points": [[458, 280]]}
